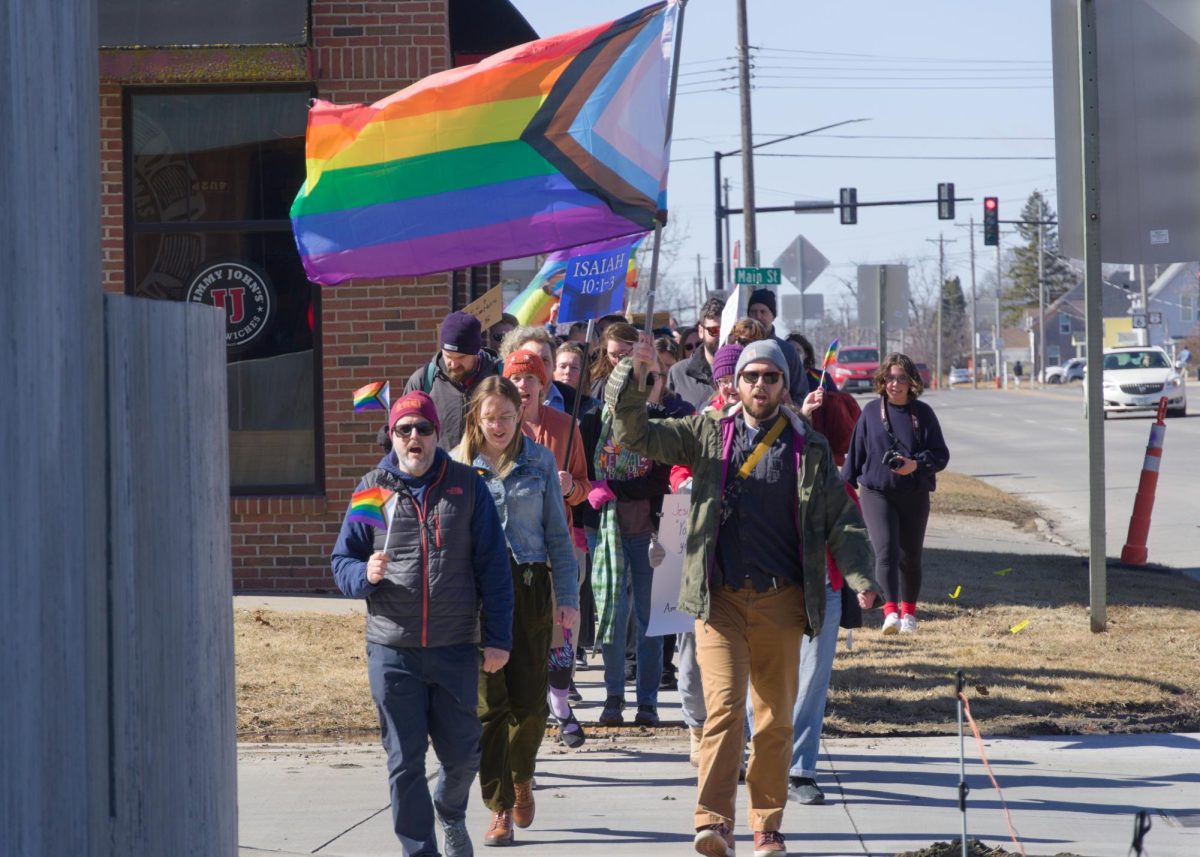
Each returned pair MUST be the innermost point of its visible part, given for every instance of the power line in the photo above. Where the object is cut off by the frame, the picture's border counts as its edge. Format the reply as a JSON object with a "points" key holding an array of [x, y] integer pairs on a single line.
{"points": [[912, 157], [897, 57]]}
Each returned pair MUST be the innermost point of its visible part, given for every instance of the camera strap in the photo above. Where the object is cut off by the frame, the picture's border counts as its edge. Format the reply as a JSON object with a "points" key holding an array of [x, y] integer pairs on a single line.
{"points": [[887, 423], [734, 486]]}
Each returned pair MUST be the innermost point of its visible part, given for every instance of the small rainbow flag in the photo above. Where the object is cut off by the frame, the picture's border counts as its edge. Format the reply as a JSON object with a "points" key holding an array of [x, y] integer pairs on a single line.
{"points": [[830, 355], [372, 506], [375, 396], [546, 145]]}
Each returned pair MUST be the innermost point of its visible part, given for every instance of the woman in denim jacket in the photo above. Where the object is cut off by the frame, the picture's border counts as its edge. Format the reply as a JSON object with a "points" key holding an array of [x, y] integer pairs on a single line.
{"points": [[522, 477]]}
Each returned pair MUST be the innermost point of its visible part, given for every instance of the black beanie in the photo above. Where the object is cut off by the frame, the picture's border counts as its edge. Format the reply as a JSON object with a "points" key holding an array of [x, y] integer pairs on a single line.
{"points": [[766, 297]]}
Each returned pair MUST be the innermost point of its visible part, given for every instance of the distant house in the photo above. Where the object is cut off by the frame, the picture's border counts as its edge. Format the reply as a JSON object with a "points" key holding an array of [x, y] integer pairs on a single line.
{"points": [[1066, 328], [1176, 295]]}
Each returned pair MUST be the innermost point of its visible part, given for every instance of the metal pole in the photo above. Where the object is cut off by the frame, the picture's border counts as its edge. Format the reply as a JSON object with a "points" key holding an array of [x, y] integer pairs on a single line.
{"points": [[881, 298], [940, 304], [999, 343], [959, 683], [751, 239], [974, 324], [719, 255], [1090, 110], [728, 260], [1040, 365]]}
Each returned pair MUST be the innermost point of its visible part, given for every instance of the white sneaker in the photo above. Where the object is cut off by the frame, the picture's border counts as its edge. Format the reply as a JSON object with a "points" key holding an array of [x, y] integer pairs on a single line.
{"points": [[908, 624], [891, 624]]}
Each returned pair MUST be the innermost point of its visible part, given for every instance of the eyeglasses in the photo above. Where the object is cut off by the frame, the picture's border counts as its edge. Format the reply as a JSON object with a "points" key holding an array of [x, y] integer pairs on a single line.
{"points": [[769, 379], [424, 429], [896, 379], [713, 330], [497, 337], [689, 347], [727, 381]]}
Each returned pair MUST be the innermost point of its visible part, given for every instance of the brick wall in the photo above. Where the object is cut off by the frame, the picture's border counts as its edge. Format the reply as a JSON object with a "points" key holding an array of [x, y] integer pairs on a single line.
{"points": [[370, 330]]}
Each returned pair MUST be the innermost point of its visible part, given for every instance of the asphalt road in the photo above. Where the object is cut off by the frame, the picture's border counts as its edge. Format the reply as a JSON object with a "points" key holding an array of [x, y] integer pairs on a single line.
{"points": [[1033, 443]]}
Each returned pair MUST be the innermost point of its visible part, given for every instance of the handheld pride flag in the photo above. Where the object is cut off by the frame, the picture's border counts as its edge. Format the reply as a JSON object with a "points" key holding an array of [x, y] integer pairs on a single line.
{"points": [[547, 145], [830, 359], [372, 506], [375, 396], [533, 305]]}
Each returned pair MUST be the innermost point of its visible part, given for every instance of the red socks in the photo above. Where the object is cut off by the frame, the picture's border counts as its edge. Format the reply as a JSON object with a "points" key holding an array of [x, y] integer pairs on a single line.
{"points": [[907, 608]]}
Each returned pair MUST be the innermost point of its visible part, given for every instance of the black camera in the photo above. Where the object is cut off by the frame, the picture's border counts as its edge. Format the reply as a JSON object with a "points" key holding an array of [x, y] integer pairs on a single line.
{"points": [[892, 460]]}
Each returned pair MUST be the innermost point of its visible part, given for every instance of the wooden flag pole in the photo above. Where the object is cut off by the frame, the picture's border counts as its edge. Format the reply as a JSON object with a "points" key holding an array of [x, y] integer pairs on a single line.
{"points": [[661, 218]]}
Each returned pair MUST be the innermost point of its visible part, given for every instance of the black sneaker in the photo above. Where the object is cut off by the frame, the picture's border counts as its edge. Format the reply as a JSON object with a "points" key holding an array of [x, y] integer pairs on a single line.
{"points": [[805, 790], [646, 716], [573, 693], [630, 675], [611, 715], [570, 732], [668, 681]]}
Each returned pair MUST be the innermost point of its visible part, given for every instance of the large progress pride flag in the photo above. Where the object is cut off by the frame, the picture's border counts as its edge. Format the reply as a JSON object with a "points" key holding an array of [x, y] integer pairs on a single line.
{"points": [[547, 145]]}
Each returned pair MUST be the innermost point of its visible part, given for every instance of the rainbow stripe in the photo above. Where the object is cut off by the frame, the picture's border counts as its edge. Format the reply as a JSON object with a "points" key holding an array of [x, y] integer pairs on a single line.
{"points": [[830, 354], [375, 396], [533, 305], [368, 507], [547, 145]]}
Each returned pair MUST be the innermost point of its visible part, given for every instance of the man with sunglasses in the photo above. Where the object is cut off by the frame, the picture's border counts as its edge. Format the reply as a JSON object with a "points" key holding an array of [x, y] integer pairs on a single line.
{"points": [[767, 501], [453, 374], [691, 377], [439, 596]]}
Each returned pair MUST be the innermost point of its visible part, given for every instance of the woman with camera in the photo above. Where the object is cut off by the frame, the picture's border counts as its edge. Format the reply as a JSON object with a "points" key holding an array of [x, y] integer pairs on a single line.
{"points": [[895, 453]]}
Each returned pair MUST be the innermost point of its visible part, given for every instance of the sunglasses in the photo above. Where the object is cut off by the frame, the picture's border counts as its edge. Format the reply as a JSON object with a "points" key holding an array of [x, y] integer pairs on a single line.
{"points": [[424, 429], [769, 379], [713, 330]]}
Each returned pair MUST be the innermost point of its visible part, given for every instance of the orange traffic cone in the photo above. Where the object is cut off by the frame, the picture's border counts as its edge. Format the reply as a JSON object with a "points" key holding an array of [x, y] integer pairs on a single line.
{"points": [[1134, 552]]}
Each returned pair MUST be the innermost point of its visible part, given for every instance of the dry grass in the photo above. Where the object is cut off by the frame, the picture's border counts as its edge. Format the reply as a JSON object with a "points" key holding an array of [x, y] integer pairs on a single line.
{"points": [[304, 675]]}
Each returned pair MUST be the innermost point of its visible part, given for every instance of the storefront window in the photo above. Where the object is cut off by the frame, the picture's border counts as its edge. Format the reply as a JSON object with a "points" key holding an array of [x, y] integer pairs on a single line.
{"points": [[209, 178]]}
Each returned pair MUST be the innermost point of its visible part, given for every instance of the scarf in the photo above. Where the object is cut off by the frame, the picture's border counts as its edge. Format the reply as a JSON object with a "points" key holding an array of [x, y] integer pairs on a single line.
{"points": [[616, 463]]}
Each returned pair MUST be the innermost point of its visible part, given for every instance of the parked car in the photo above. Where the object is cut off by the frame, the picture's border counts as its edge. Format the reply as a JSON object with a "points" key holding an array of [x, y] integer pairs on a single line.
{"points": [[1136, 377], [961, 376], [855, 368], [925, 373], [1072, 370]]}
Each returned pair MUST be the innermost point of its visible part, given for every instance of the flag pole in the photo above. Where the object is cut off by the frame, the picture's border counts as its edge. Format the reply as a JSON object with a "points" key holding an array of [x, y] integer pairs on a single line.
{"points": [[661, 216], [578, 393]]}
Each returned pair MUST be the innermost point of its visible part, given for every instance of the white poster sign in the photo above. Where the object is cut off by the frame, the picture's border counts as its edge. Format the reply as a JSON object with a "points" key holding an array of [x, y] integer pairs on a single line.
{"points": [[664, 591], [732, 312]]}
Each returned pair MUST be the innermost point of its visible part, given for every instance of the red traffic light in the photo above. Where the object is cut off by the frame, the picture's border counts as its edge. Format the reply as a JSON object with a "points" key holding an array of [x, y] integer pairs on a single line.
{"points": [[989, 203]]}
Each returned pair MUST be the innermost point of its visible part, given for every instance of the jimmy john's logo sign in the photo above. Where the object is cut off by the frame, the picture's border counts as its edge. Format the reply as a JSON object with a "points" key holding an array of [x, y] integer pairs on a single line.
{"points": [[243, 291]]}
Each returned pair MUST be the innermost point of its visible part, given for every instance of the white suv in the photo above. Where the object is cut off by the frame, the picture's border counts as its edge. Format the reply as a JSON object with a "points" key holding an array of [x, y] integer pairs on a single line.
{"points": [[1136, 377]]}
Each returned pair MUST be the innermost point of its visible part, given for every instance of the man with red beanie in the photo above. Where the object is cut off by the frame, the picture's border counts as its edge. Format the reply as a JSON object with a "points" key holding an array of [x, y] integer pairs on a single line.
{"points": [[453, 374], [432, 565]]}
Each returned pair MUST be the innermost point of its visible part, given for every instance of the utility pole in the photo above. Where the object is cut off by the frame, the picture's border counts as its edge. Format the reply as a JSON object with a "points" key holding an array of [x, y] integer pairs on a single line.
{"points": [[728, 260], [941, 242], [1040, 368], [699, 283], [751, 240], [974, 326]]}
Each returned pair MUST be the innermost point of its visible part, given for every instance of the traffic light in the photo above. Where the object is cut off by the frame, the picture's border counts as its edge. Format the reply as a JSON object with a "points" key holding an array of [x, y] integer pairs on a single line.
{"points": [[849, 208], [945, 200], [991, 221]]}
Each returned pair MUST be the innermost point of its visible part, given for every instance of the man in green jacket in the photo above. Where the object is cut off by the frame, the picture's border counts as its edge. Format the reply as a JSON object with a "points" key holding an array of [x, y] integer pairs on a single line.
{"points": [[767, 501]]}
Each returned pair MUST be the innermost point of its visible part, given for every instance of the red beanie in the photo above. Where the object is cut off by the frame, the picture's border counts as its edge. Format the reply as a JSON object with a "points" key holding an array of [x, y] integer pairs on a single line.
{"points": [[524, 362], [415, 402]]}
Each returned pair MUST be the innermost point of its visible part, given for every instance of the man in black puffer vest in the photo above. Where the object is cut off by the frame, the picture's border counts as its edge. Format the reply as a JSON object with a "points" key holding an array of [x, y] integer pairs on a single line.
{"points": [[423, 544]]}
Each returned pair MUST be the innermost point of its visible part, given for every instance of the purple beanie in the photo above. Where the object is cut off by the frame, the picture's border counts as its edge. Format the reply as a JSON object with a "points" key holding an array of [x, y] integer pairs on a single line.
{"points": [[461, 333], [725, 360]]}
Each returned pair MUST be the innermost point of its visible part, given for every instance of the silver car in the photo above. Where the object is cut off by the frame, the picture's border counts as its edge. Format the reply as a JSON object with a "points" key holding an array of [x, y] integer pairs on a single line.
{"points": [[1136, 377]]}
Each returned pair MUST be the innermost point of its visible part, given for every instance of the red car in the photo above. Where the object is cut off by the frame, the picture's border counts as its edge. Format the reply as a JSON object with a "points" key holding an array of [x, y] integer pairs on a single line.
{"points": [[855, 368], [925, 373]]}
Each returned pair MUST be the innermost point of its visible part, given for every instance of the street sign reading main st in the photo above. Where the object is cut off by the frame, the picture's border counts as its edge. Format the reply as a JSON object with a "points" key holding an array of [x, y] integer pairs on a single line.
{"points": [[757, 276]]}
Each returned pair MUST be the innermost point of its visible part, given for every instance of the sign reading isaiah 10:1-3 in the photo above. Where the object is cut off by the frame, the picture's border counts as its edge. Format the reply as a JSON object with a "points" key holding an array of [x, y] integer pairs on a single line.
{"points": [[757, 276]]}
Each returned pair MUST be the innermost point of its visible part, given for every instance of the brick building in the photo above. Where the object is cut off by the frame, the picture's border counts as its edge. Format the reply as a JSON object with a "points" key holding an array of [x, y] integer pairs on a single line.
{"points": [[202, 152]]}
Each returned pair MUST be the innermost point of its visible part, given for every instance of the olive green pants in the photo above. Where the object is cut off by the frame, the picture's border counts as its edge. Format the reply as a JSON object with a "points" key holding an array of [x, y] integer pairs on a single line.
{"points": [[512, 701]]}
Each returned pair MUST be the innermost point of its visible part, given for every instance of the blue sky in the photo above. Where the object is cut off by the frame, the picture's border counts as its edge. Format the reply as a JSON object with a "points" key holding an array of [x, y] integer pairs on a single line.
{"points": [[955, 85]]}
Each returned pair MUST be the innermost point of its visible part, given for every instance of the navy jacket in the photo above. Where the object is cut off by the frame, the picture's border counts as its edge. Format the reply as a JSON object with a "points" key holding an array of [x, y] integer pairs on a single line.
{"points": [[448, 558], [864, 461]]}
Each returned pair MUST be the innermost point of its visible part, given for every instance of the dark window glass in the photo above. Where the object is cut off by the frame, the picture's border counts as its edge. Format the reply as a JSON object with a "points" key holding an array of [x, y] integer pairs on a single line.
{"points": [[212, 175]]}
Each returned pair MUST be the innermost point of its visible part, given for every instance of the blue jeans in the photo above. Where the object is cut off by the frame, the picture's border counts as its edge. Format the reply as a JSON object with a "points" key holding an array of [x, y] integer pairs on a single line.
{"points": [[639, 575], [816, 666], [424, 694]]}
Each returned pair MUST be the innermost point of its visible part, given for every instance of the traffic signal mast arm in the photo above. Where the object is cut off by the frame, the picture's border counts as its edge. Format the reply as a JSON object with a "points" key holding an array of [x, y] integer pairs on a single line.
{"points": [[835, 206]]}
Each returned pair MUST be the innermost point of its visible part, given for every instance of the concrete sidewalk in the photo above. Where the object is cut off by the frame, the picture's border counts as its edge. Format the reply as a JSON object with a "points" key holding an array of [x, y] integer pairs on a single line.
{"points": [[633, 793], [634, 796]]}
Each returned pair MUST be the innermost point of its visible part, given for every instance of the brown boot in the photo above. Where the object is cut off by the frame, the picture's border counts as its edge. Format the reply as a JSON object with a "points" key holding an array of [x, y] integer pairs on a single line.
{"points": [[695, 733], [501, 830], [523, 806]]}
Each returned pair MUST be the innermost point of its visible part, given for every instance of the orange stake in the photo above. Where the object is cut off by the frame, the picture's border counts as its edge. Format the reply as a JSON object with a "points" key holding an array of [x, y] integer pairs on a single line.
{"points": [[1134, 552]]}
